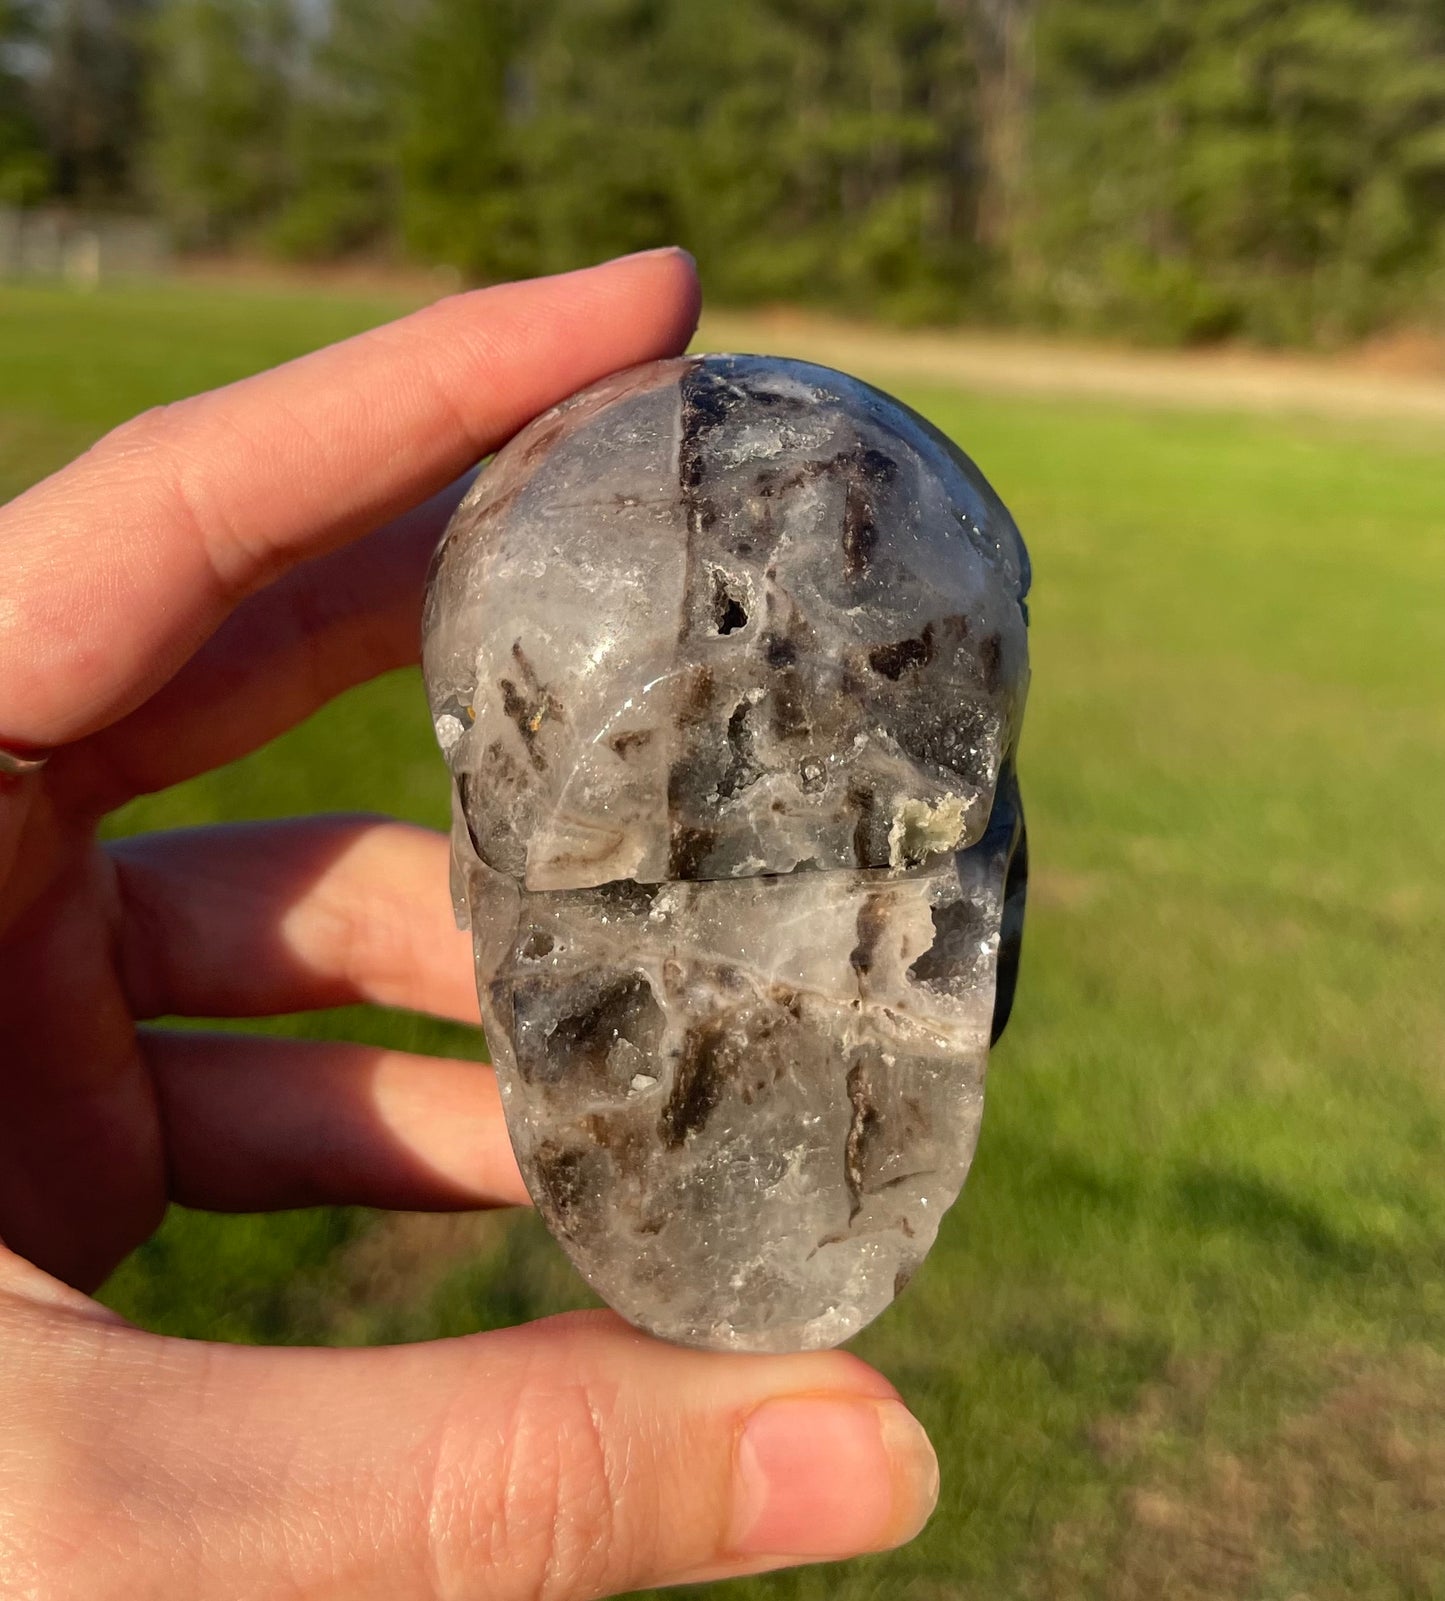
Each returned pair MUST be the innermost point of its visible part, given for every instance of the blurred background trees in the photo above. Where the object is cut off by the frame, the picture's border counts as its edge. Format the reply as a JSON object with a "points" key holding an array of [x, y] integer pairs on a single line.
{"points": [[24, 173], [1175, 169]]}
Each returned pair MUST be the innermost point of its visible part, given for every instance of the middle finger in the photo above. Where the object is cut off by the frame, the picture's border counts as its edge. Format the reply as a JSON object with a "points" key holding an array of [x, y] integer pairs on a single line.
{"points": [[256, 919]]}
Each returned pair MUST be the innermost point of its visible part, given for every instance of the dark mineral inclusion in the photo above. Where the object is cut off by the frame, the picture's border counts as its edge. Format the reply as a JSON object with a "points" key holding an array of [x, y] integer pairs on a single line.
{"points": [[728, 657]]}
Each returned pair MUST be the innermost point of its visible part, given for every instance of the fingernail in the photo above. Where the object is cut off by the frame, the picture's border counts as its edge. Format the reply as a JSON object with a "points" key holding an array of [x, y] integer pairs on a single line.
{"points": [[661, 250], [824, 1476]]}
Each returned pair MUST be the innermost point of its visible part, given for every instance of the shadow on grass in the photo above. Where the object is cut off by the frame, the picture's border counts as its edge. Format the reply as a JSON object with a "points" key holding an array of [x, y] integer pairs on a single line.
{"points": [[1088, 1205], [1243, 1204]]}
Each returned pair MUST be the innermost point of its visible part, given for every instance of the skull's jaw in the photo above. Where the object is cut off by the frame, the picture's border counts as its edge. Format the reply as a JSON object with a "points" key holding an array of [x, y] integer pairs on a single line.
{"points": [[743, 1106]]}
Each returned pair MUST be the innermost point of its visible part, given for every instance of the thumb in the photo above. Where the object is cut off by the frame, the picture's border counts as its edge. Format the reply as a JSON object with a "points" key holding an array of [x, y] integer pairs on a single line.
{"points": [[571, 1458]]}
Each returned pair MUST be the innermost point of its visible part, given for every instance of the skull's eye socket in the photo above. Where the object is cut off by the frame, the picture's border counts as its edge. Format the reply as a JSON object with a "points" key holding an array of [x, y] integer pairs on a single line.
{"points": [[728, 611]]}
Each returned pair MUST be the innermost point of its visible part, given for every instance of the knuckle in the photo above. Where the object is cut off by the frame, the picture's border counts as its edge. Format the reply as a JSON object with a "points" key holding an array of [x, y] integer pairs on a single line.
{"points": [[565, 1509], [64, 1530], [30, 1525], [144, 435], [143, 936], [167, 449], [372, 946]]}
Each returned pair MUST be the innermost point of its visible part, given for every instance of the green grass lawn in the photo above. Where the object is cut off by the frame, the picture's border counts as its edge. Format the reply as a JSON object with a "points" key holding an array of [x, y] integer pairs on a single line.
{"points": [[1184, 1334]]}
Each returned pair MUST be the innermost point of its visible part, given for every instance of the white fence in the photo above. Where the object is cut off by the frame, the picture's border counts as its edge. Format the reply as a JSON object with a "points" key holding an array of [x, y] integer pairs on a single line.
{"points": [[78, 248]]}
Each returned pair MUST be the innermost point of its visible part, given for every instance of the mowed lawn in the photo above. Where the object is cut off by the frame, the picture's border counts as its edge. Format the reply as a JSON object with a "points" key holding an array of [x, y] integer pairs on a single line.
{"points": [[1184, 1334]]}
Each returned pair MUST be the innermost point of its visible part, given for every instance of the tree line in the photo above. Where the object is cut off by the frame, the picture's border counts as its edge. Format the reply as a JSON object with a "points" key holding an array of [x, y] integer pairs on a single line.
{"points": [[1166, 169]]}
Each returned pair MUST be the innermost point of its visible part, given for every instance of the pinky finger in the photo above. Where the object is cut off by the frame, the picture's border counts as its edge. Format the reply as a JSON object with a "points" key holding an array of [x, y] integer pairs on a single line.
{"points": [[258, 1124]]}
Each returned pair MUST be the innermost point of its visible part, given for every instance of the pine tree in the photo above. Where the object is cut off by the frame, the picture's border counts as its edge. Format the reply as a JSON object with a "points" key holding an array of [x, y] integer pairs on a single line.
{"points": [[24, 171], [463, 190], [222, 99], [1211, 167], [346, 133], [88, 93]]}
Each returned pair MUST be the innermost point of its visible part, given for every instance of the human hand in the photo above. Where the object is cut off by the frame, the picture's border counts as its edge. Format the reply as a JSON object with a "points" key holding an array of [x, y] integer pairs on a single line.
{"points": [[205, 577]]}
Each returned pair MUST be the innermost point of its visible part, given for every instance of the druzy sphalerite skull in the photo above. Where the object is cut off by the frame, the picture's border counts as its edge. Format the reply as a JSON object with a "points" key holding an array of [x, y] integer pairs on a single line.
{"points": [[728, 657]]}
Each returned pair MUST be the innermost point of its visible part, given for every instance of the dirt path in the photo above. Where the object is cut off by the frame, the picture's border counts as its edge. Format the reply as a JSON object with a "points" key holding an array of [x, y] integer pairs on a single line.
{"points": [[1397, 377], [1404, 380]]}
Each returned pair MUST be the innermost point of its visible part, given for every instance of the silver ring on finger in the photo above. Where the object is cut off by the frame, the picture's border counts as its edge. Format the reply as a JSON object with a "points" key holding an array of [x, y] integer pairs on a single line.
{"points": [[17, 763]]}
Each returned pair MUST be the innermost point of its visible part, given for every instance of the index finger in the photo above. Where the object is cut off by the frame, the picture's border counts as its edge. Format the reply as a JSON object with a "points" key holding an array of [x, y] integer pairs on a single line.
{"points": [[118, 566]]}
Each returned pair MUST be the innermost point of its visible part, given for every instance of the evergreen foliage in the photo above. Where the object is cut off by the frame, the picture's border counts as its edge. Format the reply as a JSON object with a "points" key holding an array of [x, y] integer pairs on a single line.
{"points": [[24, 170], [222, 101], [1176, 169], [86, 99]]}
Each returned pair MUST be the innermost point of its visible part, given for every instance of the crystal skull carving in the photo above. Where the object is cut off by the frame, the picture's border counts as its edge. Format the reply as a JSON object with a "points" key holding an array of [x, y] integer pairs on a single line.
{"points": [[728, 656]]}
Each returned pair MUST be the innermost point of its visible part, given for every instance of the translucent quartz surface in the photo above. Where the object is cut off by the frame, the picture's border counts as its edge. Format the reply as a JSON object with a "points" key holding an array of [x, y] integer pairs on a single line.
{"points": [[728, 657]]}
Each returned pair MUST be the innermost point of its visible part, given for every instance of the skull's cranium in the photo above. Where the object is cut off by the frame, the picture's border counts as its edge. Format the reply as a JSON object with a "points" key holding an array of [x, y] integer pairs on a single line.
{"points": [[728, 657]]}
